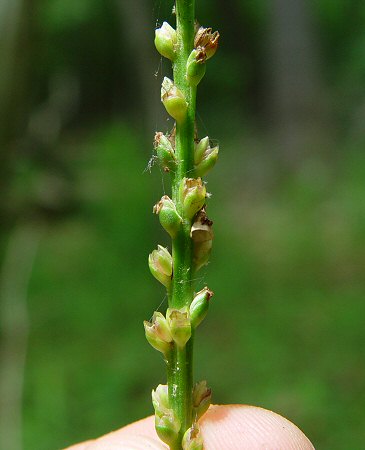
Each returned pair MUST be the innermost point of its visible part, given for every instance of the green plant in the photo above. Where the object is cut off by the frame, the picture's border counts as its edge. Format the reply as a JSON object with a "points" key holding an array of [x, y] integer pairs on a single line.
{"points": [[178, 405]]}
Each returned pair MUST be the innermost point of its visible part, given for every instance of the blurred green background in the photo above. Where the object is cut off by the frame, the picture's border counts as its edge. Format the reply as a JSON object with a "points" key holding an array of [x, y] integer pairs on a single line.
{"points": [[79, 105]]}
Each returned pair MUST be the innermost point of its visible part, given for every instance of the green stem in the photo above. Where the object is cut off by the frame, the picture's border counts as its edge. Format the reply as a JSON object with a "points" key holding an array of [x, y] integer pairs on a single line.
{"points": [[185, 16], [180, 373]]}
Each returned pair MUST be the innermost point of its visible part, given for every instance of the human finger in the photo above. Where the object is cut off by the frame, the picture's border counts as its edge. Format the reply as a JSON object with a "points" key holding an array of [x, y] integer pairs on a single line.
{"points": [[224, 427]]}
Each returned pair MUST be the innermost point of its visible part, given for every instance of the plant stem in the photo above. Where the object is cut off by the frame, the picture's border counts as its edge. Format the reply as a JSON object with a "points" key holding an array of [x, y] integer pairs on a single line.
{"points": [[180, 373], [179, 405]]}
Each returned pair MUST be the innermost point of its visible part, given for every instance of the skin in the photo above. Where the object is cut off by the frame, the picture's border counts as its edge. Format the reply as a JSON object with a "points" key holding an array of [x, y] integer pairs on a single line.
{"points": [[224, 427]]}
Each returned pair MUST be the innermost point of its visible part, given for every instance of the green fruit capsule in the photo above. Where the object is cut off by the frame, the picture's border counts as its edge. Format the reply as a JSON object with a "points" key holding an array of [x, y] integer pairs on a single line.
{"points": [[166, 41], [168, 215], [192, 439], [160, 264], [193, 194], [199, 306], [207, 163], [200, 149], [180, 326], [173, 100], [202, 397], [167, 426], [195, 67]]}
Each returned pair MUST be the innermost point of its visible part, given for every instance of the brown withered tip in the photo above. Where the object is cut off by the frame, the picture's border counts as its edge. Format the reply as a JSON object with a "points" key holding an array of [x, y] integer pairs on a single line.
{"points": [[201, 36], [157, 138], [193, 182], [201, 230], [194, 431], [158, 206], [203, 218], [207, 394], [206, 290], [205, 39], [170, 137], [201, 55], [210, 295]]}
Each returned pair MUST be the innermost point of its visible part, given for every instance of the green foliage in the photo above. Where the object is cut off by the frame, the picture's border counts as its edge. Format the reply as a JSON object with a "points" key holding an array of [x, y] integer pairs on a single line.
{"points": [[59, 15], [291, 308], [75, 303]]}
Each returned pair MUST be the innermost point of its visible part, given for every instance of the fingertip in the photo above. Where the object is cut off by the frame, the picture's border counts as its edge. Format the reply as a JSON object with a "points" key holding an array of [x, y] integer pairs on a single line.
{"points": [[243, 427], [140, 435], [224, 427], [82, 446]]}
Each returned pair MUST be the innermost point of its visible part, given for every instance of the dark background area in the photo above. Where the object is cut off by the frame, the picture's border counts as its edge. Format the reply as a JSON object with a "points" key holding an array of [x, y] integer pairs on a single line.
{"points": [[79, 104]]}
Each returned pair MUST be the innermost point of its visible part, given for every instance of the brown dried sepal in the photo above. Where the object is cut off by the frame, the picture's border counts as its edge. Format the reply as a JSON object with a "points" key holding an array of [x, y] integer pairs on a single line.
{"points": [[170, 137], [157, 139], [201, 55], [201, 230], [158, 206], [206, 41]]}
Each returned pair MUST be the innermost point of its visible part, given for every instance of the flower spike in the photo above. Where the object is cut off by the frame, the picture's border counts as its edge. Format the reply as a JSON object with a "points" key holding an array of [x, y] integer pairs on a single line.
{"points": [[182, 215]]}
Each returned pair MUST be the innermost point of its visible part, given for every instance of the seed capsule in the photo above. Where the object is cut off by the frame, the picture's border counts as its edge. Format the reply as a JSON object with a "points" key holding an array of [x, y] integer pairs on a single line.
{"points": [[200, 149], [165, 152], [166, 423], [202, 236], [173, 100], [199, 306], [202, 397], [179, 323], [166, 41], [167, 426], [192, 439], [158, 333], [168, 215], [193, 194], [205, 157], [207, 163], [195, 66], [160, 264], [160, 398]]}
